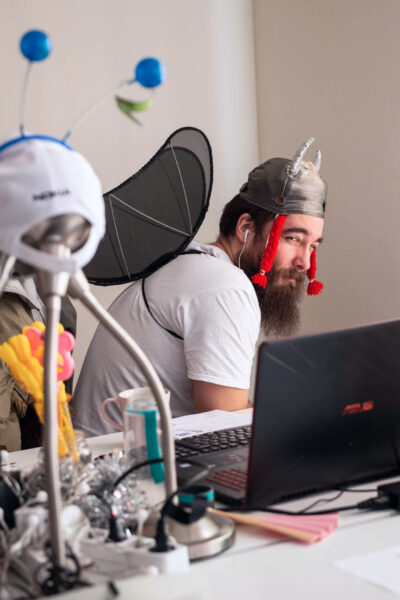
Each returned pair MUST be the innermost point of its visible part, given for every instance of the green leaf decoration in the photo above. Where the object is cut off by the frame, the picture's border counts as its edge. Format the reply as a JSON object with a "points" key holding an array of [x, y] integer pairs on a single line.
{"points": [[129, 106]]}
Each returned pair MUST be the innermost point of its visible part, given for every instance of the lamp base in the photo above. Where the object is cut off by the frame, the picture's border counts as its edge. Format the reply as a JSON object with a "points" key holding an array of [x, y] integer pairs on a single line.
{"points": [[210, 535]]}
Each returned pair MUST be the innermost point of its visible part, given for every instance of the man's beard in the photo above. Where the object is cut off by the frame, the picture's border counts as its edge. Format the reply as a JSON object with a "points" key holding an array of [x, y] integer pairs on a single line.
{"points": [[280, 300]]}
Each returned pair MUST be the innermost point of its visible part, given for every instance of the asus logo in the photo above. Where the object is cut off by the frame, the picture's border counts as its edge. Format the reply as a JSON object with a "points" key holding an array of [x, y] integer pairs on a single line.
{"points": [[50, 194], [350, 409]]}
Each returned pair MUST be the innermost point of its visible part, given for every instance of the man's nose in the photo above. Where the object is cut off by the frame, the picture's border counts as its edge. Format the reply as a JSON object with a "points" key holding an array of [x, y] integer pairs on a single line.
{"points": [[301, 261]]}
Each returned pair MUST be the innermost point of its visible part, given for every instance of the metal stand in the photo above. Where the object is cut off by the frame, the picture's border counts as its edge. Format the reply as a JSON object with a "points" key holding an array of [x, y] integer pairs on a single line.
{"points": [[208, 536], [205, 538], [53, 286]]}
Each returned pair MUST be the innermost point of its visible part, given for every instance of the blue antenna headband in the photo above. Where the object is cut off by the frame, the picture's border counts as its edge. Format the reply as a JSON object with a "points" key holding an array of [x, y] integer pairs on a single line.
{"points": [[36, 46], [27, 138]]}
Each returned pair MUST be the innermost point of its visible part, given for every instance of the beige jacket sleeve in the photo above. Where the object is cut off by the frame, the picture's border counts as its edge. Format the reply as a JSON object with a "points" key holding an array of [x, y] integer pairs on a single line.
{"points": [[14, 315]]}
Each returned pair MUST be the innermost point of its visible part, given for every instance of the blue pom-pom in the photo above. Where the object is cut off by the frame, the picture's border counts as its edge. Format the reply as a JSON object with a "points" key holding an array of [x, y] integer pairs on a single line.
{"points": [[35, 45], [150, 72]]}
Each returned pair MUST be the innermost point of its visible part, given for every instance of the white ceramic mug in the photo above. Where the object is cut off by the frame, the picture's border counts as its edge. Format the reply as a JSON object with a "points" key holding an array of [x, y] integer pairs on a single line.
{"points": [[121, 401]]}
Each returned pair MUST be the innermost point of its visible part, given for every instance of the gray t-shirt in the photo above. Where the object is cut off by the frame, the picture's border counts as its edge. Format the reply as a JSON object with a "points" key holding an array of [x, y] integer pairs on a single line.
{"points": [[203, 298]]}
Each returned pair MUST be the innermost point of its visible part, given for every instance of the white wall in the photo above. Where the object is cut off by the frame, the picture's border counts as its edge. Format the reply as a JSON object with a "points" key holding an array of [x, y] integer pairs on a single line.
{"points": [[208, 50], [322, 68], [331, 70]]}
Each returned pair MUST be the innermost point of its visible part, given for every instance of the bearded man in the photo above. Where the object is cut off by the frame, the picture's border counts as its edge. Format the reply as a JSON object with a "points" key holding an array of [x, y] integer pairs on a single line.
{"points": [[198, 317]]}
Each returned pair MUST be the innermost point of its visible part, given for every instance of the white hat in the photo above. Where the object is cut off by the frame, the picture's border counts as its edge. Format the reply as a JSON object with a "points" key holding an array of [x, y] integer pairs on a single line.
{"points": [[40, 178]]}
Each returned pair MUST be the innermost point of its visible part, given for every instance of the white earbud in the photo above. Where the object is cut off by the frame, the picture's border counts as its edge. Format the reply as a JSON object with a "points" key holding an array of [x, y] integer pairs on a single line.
{"points": [[246, 235]]}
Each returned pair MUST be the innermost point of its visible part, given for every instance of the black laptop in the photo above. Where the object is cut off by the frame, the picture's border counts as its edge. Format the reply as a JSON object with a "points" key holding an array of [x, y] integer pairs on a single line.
{"points": [[326, 414]]}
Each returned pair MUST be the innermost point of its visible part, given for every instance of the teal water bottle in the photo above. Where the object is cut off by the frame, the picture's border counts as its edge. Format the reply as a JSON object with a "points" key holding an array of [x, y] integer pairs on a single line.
{"points": [[142, 434]]}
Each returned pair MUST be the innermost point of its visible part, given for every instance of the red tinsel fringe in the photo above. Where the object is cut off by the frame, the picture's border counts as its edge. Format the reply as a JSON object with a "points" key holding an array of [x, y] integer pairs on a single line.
{"points": [[313, 265], [260, 279], [314, 288], [272, 246]]}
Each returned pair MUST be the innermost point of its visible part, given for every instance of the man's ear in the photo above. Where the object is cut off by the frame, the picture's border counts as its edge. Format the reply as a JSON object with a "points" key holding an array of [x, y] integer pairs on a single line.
{"points": [[244, 223]]}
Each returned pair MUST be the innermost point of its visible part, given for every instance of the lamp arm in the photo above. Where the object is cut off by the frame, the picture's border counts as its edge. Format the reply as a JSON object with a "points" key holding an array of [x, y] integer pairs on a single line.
{"points": [[52, 464], [79, 288], [52, 286]]}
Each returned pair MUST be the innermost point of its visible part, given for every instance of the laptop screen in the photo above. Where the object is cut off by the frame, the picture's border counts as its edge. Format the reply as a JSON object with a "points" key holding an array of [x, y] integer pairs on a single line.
{"points": [[327, 412]]}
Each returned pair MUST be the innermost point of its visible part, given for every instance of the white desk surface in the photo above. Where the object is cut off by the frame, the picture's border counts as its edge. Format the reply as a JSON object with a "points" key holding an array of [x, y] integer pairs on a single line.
{"points": [[271, 570], [260, 566]]}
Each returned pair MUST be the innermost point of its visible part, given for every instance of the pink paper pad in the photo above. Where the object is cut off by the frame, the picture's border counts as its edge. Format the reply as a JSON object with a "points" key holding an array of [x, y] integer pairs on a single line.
{"points": [[303, 528], [317, 526]]}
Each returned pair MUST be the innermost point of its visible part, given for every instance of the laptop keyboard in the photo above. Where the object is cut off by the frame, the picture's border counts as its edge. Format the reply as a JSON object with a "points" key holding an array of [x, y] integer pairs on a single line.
{"points": [[212, 442], [232, 479]]}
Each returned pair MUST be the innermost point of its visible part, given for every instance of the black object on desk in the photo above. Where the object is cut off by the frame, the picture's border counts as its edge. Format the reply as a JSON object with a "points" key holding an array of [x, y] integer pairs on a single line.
{"points": [[327, 414], [9, 499]]}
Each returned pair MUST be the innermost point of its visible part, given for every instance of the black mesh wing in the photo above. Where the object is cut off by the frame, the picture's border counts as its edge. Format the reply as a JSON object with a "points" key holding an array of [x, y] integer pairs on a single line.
{"points": [[152, 216]]}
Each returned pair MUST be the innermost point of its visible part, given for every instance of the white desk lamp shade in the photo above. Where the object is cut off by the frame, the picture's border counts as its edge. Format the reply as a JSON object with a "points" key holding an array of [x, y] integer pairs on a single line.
{"points": [[41, 179]]}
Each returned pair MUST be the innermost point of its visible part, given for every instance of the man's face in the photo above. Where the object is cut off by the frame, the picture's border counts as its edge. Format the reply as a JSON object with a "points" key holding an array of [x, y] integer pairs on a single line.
{"points": [[279, 302]]}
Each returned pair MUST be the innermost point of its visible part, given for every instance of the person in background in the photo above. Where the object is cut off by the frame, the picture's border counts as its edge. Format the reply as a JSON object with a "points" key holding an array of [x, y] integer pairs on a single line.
{"points": [[20, 305], [198, 317]]}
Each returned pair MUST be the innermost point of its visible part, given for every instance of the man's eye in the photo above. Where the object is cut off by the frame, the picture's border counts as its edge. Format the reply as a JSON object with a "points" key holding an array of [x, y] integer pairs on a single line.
{"points": [[292, 238]]}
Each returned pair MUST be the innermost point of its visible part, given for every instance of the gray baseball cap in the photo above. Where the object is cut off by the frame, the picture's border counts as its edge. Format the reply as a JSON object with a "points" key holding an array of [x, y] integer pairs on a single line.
{"points": [[288, 186]]}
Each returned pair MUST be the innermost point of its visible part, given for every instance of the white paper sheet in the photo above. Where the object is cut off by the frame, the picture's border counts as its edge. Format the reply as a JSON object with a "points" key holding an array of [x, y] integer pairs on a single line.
{"points": [[380, 568], [208, 421]]}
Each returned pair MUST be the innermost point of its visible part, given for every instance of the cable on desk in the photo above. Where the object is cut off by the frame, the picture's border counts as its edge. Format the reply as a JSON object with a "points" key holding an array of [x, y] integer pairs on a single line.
{"points": [[182, 514], [60, 578], [145, 463], [113, 533], [381, 502], [279, 511], [323, 500], [113, 588], [187, 514]]}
